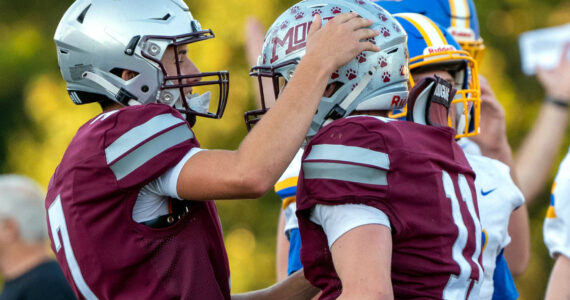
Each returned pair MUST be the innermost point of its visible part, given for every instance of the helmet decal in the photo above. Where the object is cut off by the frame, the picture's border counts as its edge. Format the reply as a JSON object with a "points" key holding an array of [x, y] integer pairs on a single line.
{"points": [[371, 81]]}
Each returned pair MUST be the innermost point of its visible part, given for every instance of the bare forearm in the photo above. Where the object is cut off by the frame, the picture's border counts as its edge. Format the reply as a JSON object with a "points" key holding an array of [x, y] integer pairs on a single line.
{"points": [[537, 154], [517, 253], [298, 103], [294, 287], [558, 287], [282, 250]]}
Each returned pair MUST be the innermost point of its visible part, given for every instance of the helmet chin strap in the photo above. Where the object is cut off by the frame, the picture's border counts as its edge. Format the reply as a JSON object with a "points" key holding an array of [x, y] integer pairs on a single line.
{"points": [[344, 104], [121, 95]]}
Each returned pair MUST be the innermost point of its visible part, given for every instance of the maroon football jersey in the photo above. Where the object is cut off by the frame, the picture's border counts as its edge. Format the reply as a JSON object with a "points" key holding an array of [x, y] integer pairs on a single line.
{"points": [[419, 177], [105, 254]]}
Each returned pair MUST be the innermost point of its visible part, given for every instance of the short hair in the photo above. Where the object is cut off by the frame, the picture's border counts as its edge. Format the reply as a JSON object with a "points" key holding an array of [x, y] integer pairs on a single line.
{"points": [[22, 200]]}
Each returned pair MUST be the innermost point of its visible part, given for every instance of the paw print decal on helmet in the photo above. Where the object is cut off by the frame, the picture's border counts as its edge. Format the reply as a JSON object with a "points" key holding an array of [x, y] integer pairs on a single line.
{"points": [[350, 74], [382, 61], [295, 9], [335, 75]]}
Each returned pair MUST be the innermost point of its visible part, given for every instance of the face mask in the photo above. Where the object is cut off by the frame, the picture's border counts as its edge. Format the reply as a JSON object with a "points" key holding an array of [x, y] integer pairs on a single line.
{"points": [[199, 103]]}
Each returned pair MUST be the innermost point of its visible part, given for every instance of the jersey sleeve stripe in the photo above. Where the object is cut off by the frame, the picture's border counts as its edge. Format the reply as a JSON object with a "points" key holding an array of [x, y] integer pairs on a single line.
{"points": [[150, 149], [350, 154], [139, 134], [344, 172]]}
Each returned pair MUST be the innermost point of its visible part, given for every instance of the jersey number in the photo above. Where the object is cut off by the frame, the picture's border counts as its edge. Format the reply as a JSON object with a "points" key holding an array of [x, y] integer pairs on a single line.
{"points": [[57, 224], [458, 285]]}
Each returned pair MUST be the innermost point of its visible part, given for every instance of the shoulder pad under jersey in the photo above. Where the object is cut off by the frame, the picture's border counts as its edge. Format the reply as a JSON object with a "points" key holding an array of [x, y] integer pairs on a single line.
{"points": [[347, 159], [145, 142]]}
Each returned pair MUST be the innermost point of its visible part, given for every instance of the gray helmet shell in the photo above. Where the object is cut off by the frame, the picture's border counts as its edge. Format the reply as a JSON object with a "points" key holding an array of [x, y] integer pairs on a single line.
{"points": [[371, 81], [103, 37]]}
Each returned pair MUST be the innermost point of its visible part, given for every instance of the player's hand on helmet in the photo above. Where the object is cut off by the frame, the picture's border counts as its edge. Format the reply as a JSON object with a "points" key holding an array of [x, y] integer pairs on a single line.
{"points": [[340, 40], [493, 137], [556, 82]]}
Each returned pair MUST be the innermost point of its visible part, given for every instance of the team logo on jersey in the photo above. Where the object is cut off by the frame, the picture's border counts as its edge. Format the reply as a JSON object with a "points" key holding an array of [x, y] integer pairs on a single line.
{"points": [[487, 192]]}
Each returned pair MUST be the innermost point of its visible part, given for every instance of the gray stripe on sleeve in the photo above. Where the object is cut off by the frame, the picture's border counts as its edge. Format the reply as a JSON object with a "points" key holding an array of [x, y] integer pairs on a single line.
{"points": [[137, 135], [349, 154], [344, 172], [150, 149]]}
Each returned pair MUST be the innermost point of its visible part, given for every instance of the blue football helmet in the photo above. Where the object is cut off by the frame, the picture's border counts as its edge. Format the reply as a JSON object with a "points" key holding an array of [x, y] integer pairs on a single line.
{"points": [[459, 17], [431, 47]]}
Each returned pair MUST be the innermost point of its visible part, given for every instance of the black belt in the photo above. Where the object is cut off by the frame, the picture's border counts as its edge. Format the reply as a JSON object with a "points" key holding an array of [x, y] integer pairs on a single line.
{"points": [[179, 209]]}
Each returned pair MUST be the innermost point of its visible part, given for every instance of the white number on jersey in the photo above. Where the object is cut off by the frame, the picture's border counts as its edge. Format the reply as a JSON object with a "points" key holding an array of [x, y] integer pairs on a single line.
{"points": [[458, 286], [57, 224]]}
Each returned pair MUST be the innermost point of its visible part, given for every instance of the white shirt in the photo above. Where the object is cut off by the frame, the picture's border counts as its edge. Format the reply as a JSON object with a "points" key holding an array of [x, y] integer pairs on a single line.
{"points": [[152, 201], [497, 197]]}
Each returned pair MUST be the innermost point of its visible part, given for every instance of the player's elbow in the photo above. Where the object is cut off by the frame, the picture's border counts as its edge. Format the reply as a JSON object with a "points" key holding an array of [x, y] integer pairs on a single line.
{"points": [[255, 184]]}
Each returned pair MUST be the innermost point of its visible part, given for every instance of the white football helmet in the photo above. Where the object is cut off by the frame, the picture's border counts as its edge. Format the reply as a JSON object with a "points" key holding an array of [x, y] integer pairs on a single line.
{"points": [[371, 81], [97, 39]]}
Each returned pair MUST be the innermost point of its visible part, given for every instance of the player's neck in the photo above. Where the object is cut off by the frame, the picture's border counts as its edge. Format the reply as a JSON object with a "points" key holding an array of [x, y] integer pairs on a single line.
{"points": [[21, 257]]}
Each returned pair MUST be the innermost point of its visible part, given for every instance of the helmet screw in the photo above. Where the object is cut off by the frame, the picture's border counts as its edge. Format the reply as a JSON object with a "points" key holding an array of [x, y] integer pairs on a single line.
{"points": [[154, 49], [166, 98], [144, 88]]}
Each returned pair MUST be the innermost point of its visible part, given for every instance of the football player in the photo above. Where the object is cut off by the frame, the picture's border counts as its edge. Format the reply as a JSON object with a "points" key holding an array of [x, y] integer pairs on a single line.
{"points": [[350, 161], [130, 207], [459, 17], [557, 224]]}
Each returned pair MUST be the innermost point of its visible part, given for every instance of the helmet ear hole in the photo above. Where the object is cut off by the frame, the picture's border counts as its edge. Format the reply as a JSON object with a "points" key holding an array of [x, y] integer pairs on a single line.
{"points": [[332, 88]]}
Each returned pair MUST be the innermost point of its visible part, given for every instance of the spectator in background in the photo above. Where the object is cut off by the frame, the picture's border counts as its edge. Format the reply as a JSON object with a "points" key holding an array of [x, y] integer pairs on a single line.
{"points": [[26, 263]]}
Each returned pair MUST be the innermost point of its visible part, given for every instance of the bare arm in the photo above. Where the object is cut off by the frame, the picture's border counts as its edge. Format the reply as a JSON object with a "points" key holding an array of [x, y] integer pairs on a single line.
{"points": [[540, 147], [253, 168], [293, 287], [362, 259], [281, 257], [558, 287], [517, 252]]}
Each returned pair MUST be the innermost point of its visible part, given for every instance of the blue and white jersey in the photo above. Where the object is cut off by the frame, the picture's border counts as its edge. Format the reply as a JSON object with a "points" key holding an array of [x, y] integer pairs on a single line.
{"points": [[469, 147], [286, 189], [556, 228], [498, 197]]}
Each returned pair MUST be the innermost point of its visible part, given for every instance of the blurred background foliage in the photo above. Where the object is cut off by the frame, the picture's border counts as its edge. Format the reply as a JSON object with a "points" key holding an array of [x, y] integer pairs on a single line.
{"points": [[38, 119]]}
